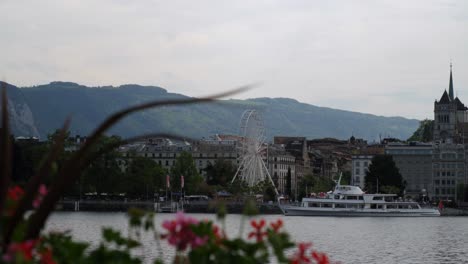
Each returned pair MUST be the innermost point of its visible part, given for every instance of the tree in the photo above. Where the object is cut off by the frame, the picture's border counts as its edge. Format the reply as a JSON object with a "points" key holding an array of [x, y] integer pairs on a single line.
{"points": [[384, 176], [185, 166], [424, 133], [220, 173], [103, 174], [27, 156], [238, 187], [314, 184], [346, 178], [143, 178]]}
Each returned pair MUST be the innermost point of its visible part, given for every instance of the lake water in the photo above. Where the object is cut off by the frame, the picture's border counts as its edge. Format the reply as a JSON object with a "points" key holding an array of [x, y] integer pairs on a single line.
{"points": [[348, 240]]}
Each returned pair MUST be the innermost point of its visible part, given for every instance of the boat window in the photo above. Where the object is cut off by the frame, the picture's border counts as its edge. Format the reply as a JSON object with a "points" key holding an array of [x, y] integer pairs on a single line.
{"points": [[340, 206], [377, 198], [328, 205], [379, 206], [373, 206], [314, 205], [391, 206], [351, 198], [337, 197], [361, 197]]}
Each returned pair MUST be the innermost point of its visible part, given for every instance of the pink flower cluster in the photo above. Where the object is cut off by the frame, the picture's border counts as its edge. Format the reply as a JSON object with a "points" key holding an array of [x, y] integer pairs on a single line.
{"points": [[180, 232], [27, 251], [301, 256], [41, 193], [259, 231], [15, 193]]}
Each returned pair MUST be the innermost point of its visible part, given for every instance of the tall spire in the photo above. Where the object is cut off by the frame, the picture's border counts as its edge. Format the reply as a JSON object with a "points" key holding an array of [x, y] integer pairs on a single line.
{"points": [[451, 84]]}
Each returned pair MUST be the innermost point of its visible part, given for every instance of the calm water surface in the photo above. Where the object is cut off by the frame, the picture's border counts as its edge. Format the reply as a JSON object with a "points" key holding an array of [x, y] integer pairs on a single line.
{"points": [[349, 240]]}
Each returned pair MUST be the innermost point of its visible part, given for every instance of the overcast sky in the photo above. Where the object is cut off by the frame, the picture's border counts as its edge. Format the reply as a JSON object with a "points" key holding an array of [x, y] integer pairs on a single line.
{"points": [[383, 57]]}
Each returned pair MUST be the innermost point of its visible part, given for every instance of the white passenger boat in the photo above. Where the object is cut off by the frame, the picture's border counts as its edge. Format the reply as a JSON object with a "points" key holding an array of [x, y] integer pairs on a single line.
{"points": [[348, 200]]}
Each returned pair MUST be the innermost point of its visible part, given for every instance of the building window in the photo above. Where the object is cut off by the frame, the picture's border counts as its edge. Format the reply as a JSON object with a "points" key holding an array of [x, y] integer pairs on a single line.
{"points": [[358, 163], [167, 163], [358, 171]]}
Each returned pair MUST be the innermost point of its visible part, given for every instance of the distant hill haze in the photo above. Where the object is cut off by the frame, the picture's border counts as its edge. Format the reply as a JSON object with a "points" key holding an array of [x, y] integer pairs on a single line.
{"points": [[42, 109]]}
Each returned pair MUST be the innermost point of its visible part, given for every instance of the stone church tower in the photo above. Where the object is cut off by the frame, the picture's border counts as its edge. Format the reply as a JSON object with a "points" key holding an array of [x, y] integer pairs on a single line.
{"points": [[450, 117]]}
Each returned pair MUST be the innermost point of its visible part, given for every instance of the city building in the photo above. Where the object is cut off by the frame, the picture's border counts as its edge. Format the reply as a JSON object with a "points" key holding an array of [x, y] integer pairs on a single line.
{"points": [[414, 161], [450, 141], [218, 147], [361, 160], [360, 165], [449, 170], [279, 164]]}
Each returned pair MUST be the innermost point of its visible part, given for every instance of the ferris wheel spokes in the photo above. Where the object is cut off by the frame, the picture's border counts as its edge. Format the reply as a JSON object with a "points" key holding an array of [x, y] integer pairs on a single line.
{"points": [[252, 168]]}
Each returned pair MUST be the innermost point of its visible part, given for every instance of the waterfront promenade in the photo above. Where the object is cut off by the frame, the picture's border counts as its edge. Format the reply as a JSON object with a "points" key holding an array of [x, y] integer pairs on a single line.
{"points": [[192, 207]]}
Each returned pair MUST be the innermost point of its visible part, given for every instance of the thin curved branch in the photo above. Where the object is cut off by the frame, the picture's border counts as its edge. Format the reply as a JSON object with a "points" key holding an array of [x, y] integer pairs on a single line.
{"points": [[71, 170]]}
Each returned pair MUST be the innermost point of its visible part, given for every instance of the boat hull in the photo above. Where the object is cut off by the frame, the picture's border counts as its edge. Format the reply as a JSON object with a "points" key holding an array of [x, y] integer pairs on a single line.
{"points": [[302, 211]]}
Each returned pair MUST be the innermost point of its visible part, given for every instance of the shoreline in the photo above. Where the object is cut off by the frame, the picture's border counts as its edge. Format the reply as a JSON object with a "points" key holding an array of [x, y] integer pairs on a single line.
{"points": [[194, 207]]}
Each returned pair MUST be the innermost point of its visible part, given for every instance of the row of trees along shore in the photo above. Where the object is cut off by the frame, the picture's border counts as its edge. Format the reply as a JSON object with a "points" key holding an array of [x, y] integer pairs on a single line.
{"points": [[144, 177]]}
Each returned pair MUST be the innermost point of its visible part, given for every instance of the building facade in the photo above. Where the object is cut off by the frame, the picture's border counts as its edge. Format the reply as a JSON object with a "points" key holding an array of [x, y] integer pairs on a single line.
{"points": [[414, 161], [450, 145], [360, 166], [449, 170], [279, 164]]}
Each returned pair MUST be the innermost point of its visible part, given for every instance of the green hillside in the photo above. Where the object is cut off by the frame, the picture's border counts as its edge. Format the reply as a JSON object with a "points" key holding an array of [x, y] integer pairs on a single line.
{"points": [[53, 102]]}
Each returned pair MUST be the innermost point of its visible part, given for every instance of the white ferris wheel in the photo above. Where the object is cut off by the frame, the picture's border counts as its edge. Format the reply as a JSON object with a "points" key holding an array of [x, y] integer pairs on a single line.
{"points": [[252, 168]]}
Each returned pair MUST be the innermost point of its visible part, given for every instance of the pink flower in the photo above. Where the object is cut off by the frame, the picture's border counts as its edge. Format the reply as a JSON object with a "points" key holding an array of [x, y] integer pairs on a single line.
{"points": [[320, 258], [15, 193], [46, 257], [258, 233], [25, 249], [277, 225], [180, 232], [41, 193], [300, 256]]}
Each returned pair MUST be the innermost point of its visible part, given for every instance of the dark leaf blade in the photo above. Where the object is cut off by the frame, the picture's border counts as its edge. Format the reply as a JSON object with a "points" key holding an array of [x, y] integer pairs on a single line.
{"points": [[35, 181], [5, 150]]}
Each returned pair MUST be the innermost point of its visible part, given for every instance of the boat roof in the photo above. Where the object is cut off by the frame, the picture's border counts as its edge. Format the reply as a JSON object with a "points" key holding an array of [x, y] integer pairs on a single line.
{"points": [[348, 189]]}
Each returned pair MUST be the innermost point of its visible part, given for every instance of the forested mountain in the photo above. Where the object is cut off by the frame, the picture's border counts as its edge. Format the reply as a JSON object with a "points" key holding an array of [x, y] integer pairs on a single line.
{"points": [[52, 103], [21, 117]]}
